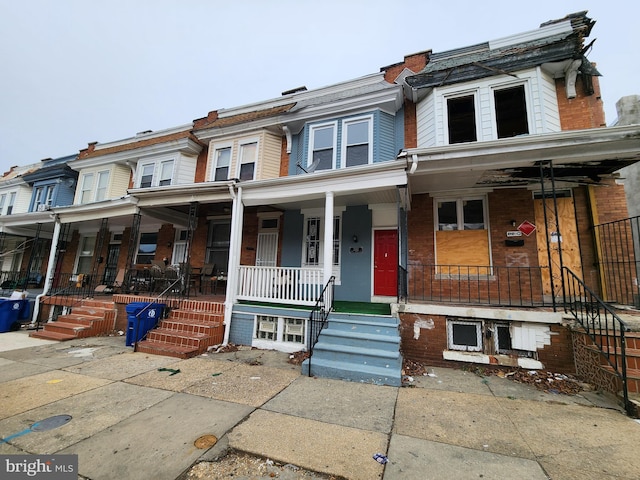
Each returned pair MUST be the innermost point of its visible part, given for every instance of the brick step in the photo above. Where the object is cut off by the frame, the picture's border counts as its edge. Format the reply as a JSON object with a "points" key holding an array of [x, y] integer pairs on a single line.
{"points": [[75, 329], [77, 318], [633, 378], [632, 356], [184, 339], [166, 349], [48, 335], [199, 315], [195, 326]]}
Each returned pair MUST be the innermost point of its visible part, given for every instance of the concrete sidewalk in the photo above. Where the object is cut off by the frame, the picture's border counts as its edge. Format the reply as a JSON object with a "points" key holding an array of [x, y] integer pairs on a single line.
{"points": [[134, 421]]}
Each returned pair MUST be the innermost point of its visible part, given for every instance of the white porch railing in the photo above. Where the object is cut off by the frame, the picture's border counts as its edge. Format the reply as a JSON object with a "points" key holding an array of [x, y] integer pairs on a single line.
{"points": [[295, 285]]}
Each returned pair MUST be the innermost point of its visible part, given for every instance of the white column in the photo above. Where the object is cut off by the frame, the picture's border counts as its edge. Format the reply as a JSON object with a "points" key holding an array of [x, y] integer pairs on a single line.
{"points": [[328, 237], [48, 278], [235, 246]]}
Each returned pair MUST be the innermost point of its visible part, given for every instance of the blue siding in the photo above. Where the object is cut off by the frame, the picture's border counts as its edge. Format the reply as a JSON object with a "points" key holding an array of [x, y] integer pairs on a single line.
{"points": [[388, 139], [355, 269], [241, 329], [292, 228]]}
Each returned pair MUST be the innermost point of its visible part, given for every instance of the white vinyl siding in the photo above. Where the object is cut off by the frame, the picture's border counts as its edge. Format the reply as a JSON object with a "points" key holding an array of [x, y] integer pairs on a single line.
{"points": [[107, 182], [541, 104]]}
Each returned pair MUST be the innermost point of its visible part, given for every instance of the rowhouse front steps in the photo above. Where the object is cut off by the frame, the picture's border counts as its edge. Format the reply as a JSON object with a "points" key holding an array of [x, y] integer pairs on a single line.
{"points": [[358, 348], [188, 331], [90, 318]]}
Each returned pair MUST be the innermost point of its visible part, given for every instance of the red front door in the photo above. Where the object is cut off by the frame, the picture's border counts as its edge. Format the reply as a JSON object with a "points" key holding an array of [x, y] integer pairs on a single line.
{"points": [[385, 262]]}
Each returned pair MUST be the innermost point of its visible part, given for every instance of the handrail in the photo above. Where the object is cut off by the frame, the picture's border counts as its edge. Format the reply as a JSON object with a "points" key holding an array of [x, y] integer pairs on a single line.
{"points": [[602, 325], [319, 314], [180, 279]]}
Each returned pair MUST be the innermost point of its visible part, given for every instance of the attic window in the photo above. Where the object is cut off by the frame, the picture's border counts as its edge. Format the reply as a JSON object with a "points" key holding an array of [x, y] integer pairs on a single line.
{"points": [[461, 114], [511, 112]]}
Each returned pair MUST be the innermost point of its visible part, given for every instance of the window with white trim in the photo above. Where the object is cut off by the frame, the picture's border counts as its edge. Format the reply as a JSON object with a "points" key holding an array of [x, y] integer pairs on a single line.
{"points": [[101, 186], [221, 163], [322, 147], [511, 111], [12, 201], [357, 148], [287, 330], [156, 173], [461, 118], [464, 335], [314, 238], [87, 191], [85, 254], [3, 200], [247, 161], [461, 214]]}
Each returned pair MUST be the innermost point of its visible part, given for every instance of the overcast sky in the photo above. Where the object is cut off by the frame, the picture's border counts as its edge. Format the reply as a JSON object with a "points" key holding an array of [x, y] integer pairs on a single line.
{"points": [[78, 71]]}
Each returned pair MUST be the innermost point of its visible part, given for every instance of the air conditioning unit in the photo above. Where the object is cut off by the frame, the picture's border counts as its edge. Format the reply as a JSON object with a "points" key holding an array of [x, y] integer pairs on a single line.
{"points": [[43, 207]]}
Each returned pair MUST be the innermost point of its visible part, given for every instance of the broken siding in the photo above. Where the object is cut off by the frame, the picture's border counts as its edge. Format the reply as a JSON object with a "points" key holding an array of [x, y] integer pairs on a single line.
{"points": [[530, 337], [551, 111]]}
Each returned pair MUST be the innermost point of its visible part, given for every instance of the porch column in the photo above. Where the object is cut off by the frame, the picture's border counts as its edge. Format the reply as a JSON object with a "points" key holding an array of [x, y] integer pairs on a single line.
{"points": [[328, 237], [51, 265], [235, 246]]}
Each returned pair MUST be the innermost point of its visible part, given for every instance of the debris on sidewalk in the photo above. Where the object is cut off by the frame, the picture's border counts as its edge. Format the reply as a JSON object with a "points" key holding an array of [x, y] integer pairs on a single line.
{"points": [[173, 371], [298, 357], [242, 465], [556, 383], [380, 458]]}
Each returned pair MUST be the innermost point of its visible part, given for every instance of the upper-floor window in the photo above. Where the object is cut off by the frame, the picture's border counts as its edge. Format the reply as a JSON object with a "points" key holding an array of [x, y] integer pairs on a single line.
{"points": [[511, 111], [248, 156], [93, 187], [221, 163], [357, 146], [12, 201], [322, 147], [461, 214], [43, 197], [154, 174], [461, 119]]}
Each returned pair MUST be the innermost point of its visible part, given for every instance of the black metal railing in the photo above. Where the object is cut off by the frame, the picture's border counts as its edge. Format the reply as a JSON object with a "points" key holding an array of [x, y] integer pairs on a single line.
{"points": [[477, 285], [403, 284], [618, 260], [319, 315], [605, 328]]}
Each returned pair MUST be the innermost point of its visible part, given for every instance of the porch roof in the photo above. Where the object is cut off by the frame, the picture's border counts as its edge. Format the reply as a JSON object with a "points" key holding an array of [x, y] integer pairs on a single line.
{"points": [[579, 156], [364, 185]]}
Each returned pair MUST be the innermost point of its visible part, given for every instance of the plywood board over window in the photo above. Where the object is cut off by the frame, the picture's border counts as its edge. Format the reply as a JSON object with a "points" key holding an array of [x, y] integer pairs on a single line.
{"points": [[463, 251]]}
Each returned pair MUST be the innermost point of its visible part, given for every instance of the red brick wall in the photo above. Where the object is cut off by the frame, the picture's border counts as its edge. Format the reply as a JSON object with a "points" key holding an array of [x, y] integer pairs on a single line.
{"points": [[558, 357], [420, 227], [284, 158], [201, 165], [583, 111]]}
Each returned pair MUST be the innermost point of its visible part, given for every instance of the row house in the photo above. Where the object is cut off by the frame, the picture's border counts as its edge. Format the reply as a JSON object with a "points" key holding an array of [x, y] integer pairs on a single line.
{"points": [[441, 210]]}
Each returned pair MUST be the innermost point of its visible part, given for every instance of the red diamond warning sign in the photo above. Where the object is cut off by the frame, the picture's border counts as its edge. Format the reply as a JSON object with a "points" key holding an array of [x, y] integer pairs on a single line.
{"points": [[527, 227]]}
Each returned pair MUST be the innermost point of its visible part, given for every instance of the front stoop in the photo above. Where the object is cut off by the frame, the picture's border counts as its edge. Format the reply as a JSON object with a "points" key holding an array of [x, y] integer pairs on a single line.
{"points": [[186, 333], [358, 348], [89, 319]]}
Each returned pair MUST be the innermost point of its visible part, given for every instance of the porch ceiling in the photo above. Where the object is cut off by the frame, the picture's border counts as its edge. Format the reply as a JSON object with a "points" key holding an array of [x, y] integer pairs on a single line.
{"points": [[580, 157]]}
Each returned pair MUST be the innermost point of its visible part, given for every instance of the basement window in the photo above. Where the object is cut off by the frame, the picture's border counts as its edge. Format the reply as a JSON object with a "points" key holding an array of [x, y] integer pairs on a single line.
{"points": [[503, 338], [281, 333], [267, 327], [461, 119], [464, 335], [511, 111]]}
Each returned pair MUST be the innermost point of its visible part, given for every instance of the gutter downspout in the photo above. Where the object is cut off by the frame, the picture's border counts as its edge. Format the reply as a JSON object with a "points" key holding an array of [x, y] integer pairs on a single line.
{"points": [[48, 280], [234, 258]]}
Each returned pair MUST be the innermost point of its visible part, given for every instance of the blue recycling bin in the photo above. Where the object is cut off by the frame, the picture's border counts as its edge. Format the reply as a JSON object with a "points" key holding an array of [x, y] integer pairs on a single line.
{"points": [[9, 313], [146, 319]]}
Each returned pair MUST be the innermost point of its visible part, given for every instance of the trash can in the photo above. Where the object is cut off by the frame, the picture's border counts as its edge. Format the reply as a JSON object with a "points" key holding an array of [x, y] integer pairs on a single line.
{"points": [[9, 311], [145, 318]]}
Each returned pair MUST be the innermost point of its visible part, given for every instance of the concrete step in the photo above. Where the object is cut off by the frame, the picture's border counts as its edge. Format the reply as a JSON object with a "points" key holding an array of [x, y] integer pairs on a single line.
{"points": [[364, 324], [371, 341], [321, 367], [356, 355]]}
